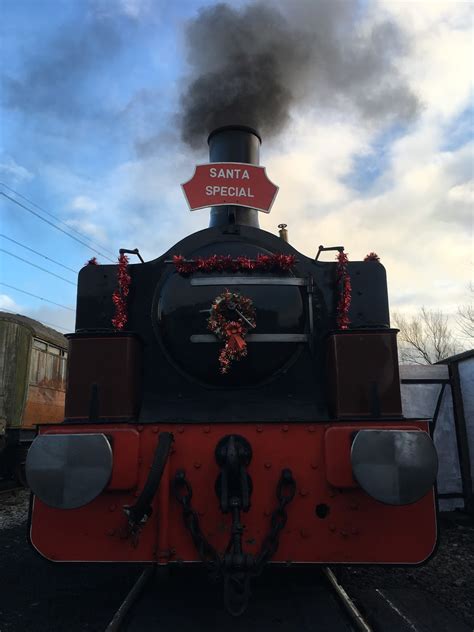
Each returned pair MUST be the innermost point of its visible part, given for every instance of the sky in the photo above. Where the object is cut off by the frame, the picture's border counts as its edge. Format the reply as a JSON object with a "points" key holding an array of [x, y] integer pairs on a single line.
{"points": [[370, 138]]}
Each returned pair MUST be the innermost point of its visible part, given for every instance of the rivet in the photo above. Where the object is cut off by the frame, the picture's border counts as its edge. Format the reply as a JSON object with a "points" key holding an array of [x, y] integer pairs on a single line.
{"points": [[344, 533], [155, 430], [112, 507], [314, 465], [354, 531], [285, 428], [304, 533], [259, 429], [303, 492], [311, 429], [139, 428], [268, 465], [267, 512], [111, 532], [206, 429], [197, 464], [180, 429], [136, 494], [332, 527]]}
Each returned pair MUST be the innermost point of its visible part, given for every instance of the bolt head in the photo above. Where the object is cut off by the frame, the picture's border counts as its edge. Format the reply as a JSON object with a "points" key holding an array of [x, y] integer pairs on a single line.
{"points": [[268, 465], [206, 429]]}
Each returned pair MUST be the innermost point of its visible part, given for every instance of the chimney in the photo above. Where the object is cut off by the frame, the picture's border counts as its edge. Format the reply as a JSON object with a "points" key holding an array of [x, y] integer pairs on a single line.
{"points": [[234, 143]]}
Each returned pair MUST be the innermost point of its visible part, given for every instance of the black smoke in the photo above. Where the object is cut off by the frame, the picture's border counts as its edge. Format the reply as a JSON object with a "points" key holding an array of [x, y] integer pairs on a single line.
{"points": [[254, 65]]}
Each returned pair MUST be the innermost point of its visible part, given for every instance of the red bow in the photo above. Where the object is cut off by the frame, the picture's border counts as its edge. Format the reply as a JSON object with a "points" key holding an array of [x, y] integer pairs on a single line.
{"points": [[235, 342]]}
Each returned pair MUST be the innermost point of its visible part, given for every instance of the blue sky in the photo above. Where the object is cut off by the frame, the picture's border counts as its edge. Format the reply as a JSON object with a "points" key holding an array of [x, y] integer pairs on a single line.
{"points": [[90, 133]]}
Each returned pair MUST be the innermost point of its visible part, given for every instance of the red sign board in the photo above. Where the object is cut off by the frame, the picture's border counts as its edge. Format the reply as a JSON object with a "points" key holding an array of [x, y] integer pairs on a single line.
{"points": [[235, 183]]}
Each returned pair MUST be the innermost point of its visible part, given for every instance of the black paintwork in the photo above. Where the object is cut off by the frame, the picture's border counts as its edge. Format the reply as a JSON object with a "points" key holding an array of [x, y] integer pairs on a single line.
{"points": [[234, 143], [277, 381]]}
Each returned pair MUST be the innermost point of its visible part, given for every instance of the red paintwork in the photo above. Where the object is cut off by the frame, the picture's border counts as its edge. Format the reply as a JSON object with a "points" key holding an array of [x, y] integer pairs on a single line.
{"points": [[262, 191], [358, 529]]}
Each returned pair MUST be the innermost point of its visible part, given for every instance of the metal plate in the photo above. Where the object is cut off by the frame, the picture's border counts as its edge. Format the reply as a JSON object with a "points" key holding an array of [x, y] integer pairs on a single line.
{"points": [[68, 470], [254, 338], [243, 280], [396, 467]]}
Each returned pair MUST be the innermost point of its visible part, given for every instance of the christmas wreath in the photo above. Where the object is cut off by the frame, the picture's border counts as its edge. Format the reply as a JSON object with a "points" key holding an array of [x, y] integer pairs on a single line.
{"points": [[231, 316]]}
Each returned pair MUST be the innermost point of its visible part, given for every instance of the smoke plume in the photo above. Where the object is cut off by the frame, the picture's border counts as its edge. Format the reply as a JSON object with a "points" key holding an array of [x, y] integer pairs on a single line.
{"points": [[254, 65]]}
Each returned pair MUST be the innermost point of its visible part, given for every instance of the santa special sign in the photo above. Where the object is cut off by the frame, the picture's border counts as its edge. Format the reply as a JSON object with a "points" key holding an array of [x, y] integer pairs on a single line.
{"points": [[235, 183]]}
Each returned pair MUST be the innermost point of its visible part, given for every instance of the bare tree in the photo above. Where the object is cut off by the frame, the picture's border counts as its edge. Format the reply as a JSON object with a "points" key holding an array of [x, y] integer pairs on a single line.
{"points": [[465, 318], [425, 338]]}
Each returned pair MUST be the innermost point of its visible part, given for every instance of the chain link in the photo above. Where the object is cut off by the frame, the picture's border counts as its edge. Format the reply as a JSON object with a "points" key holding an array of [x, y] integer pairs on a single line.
{"points": [[278, 520], [207, 552], [285, 493]]}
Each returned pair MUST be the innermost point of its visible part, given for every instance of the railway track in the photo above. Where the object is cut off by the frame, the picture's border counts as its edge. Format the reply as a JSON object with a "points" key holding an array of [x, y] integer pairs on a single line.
{"points": [[284, 600]]}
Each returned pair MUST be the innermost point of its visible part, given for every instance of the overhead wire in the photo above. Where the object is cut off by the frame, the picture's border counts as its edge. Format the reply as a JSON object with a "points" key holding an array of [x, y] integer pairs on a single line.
{"points": [[74, 230], [38, 253], [54, 226], [34, 265], [12, 287]]}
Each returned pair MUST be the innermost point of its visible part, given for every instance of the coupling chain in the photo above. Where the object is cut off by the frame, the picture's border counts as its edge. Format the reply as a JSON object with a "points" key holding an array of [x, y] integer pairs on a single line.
{"points": [[285, 493], [183, 493]]}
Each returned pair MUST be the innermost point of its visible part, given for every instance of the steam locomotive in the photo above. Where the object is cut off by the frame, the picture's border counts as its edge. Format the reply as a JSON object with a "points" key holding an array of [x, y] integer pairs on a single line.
{"points": [[273, 436]]}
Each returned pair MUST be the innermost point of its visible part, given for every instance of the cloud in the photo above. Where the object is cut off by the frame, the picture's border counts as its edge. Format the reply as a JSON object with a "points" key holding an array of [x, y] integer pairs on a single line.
{"points": [[131, 8], [90, 228], [15, 173], [83, 204], [8, 304]]}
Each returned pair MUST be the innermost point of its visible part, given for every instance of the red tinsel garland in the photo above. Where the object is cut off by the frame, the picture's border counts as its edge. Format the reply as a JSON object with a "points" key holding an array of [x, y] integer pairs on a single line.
{"points": [[92, 262], [344, 282], [225, 263], [372, 256], [119, 297], [232, 332]]}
